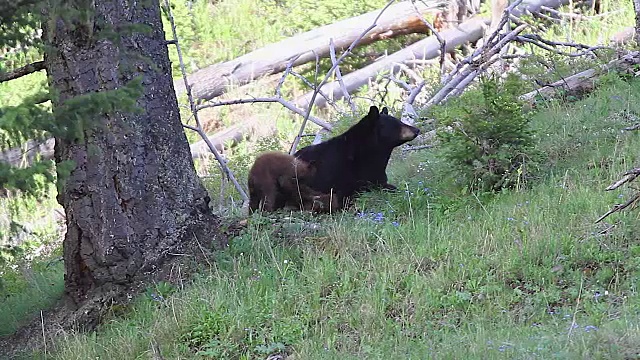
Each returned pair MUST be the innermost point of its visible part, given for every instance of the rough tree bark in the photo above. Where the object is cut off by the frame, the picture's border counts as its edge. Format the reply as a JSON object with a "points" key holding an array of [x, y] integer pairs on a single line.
{"points": [[133, 202]]}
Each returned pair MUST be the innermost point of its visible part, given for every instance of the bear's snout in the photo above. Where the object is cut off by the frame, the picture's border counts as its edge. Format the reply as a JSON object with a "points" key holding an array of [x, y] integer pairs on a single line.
{"points": [[409, 133]]}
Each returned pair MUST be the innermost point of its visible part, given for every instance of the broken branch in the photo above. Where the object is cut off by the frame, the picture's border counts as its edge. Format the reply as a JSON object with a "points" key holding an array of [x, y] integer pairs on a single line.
{"points": [[628, 177], [22, 71], [619, 207]]}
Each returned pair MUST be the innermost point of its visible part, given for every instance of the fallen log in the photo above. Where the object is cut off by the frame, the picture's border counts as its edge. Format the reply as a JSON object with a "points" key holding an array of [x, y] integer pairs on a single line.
{"points": [[213, 81], [583, 81], [428, 48], [28, 153], [232, 136]]}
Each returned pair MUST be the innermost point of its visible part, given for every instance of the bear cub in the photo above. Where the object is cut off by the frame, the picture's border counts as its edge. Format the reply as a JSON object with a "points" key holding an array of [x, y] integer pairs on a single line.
{"points": [[278, 180]]}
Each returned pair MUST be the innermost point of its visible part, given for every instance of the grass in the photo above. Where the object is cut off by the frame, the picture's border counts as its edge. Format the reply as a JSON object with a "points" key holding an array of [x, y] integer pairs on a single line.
{"points": [[428, 273], [31, 279], [28, 289]]}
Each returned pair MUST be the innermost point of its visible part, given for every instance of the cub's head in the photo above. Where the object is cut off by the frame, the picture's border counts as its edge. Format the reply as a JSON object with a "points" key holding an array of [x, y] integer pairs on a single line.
{"points": [[387, 130], [303, 169]]}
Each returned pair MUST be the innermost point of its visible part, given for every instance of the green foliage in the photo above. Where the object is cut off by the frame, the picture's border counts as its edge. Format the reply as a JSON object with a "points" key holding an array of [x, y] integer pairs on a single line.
{"points": [[487, 137], [218, 335], [18, 21], [160, 291], [26, 289]]}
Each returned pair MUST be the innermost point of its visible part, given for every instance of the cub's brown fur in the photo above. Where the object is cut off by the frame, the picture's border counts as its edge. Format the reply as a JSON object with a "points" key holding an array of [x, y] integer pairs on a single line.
{"points": [[277, 180]]}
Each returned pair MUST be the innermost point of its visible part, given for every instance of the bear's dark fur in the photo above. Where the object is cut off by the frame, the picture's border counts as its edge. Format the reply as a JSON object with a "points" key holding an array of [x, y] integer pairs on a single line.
{"points": [[356, 160], [277, 180]]}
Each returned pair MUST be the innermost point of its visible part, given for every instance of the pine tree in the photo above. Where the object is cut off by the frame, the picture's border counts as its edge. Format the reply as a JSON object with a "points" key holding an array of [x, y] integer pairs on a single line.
{"points": [[124, 171]]}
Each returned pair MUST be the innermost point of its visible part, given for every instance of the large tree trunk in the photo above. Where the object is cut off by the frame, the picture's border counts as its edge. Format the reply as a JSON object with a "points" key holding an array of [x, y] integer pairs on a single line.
{"points": [[133, 202]]}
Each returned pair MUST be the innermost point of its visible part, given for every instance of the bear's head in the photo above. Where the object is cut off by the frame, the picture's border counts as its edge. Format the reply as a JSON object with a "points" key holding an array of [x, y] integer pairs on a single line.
{"points": [[386, 130], [304, 169]]}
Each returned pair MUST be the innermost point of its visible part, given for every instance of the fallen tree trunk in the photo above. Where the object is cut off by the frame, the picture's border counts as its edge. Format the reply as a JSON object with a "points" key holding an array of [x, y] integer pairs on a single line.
{"points": [[212, 81], [232, 136], [429, 48], [583, 81], [32, 150], [27, 153]]}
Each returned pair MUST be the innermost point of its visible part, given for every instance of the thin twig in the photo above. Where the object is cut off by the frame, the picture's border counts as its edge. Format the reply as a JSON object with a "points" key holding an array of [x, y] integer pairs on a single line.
{"points": [[44, 337], [338, 61], [575, 312], [156, 354], [320, 92], [194, 111], [345, 92], [287, 71], [549, 45], [442, 41], [287, 104], [206, 258], [619, 207]]}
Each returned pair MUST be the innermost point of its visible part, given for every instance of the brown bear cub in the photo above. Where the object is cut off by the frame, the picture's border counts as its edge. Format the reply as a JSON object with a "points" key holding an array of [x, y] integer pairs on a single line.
{"points": [[277, 180]]}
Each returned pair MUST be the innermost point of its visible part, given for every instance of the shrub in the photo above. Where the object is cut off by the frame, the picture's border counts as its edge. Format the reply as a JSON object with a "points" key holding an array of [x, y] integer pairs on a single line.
{"points": [[486, 136]]}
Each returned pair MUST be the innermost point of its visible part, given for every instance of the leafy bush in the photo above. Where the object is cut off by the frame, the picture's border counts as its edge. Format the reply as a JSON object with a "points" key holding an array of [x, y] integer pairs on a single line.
{"points": [[486, 136]]}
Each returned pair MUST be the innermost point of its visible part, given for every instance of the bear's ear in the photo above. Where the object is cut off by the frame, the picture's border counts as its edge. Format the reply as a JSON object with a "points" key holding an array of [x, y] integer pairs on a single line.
{"points": [[373, 112], [385, 111]]}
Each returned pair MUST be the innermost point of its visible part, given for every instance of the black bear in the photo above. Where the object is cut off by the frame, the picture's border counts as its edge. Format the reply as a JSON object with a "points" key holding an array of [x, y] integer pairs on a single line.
{"points": [[356, 160], [277, 180]]}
